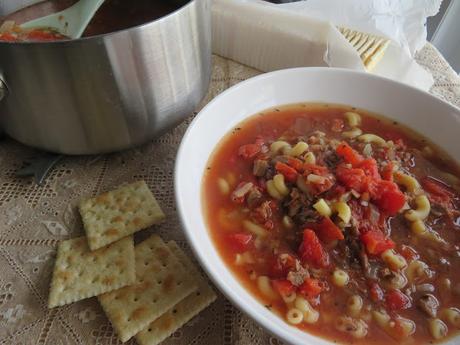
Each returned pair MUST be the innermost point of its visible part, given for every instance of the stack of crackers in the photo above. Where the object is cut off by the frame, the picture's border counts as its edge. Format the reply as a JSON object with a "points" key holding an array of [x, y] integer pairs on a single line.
{"points": [[148, 290]]}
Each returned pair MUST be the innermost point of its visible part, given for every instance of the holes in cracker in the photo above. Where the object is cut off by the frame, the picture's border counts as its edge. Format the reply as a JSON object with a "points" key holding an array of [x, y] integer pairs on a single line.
{"points": [[198, 293], [174, 311], [159, 282]]}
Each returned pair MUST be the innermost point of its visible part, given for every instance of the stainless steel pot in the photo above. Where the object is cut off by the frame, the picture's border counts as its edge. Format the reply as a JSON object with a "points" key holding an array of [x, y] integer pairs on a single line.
{"points": [[108, 92]]}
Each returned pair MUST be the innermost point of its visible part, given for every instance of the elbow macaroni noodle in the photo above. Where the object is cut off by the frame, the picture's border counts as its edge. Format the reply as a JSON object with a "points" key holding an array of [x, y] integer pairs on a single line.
{"points": [[418, 227], [341, 207], [287, 222], [381, 318], [310, 158], [273, 191], [397, 281], [264, 285], [223, 185], [354, 305], [310, 315], [352, 133], [407, 181], [437, 328], [373, 139], [395, 261], [298, 149], [357, 328], [289, 298], [294, 316], [254, 228], [340, 278], [416, 269], [343, 211], [406, 327], [422, 211], [244, 258], [353, 119], [278, 182], [313, 178], [302, 185], [451, 315], [322, 208], [278, 146]]}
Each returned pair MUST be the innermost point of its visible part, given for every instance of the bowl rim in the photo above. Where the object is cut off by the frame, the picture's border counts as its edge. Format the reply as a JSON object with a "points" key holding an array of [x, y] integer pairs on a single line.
{"points": [[282, 333]]}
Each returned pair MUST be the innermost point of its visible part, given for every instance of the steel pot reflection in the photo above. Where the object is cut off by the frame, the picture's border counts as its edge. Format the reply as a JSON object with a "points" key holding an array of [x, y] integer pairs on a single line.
{"points": [[109, 92]]}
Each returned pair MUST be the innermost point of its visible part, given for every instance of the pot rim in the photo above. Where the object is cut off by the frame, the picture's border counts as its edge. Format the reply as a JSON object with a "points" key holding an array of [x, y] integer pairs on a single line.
{"points": [[102, 36]]}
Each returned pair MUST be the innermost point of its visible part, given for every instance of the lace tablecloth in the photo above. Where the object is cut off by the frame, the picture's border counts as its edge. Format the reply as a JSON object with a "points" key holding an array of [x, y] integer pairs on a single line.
{"points": [[33, 219]]}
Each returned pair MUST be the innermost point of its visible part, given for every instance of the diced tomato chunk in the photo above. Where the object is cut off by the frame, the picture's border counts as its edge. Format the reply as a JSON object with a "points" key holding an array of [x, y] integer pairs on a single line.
{"points": [[315, 169], [311, 288], [280, 266], [376, 292], [353, 178], [437, 188], [387, 196], [376, 242], [396, 300], [283, 286], [239, 241], [43, 35], [8, 37], [312, 251], [387, 171], [369, 166], [348, 154], [327, 231], [249, 151], [290, 174], [295, 163]]}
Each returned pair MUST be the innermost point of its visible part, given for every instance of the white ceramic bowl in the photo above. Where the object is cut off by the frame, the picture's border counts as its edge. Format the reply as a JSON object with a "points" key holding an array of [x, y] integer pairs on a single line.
{"points": [[428, 115]]}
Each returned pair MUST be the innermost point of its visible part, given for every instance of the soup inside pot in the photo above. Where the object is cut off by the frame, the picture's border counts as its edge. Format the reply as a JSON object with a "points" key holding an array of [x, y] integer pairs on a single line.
{"points": [[114, 15]]}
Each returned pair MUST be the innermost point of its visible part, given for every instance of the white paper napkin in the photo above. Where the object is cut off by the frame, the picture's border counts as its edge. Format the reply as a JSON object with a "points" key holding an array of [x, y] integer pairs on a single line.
{"points": [[270, 37]]}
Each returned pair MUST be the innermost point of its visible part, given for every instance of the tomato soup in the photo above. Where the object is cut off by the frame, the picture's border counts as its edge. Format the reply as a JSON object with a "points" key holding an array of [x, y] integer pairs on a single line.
{"points": [[344, 223]]}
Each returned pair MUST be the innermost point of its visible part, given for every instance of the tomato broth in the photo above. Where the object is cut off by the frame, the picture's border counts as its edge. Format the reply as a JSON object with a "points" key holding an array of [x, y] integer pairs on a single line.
{"points": [[344, 223]]}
